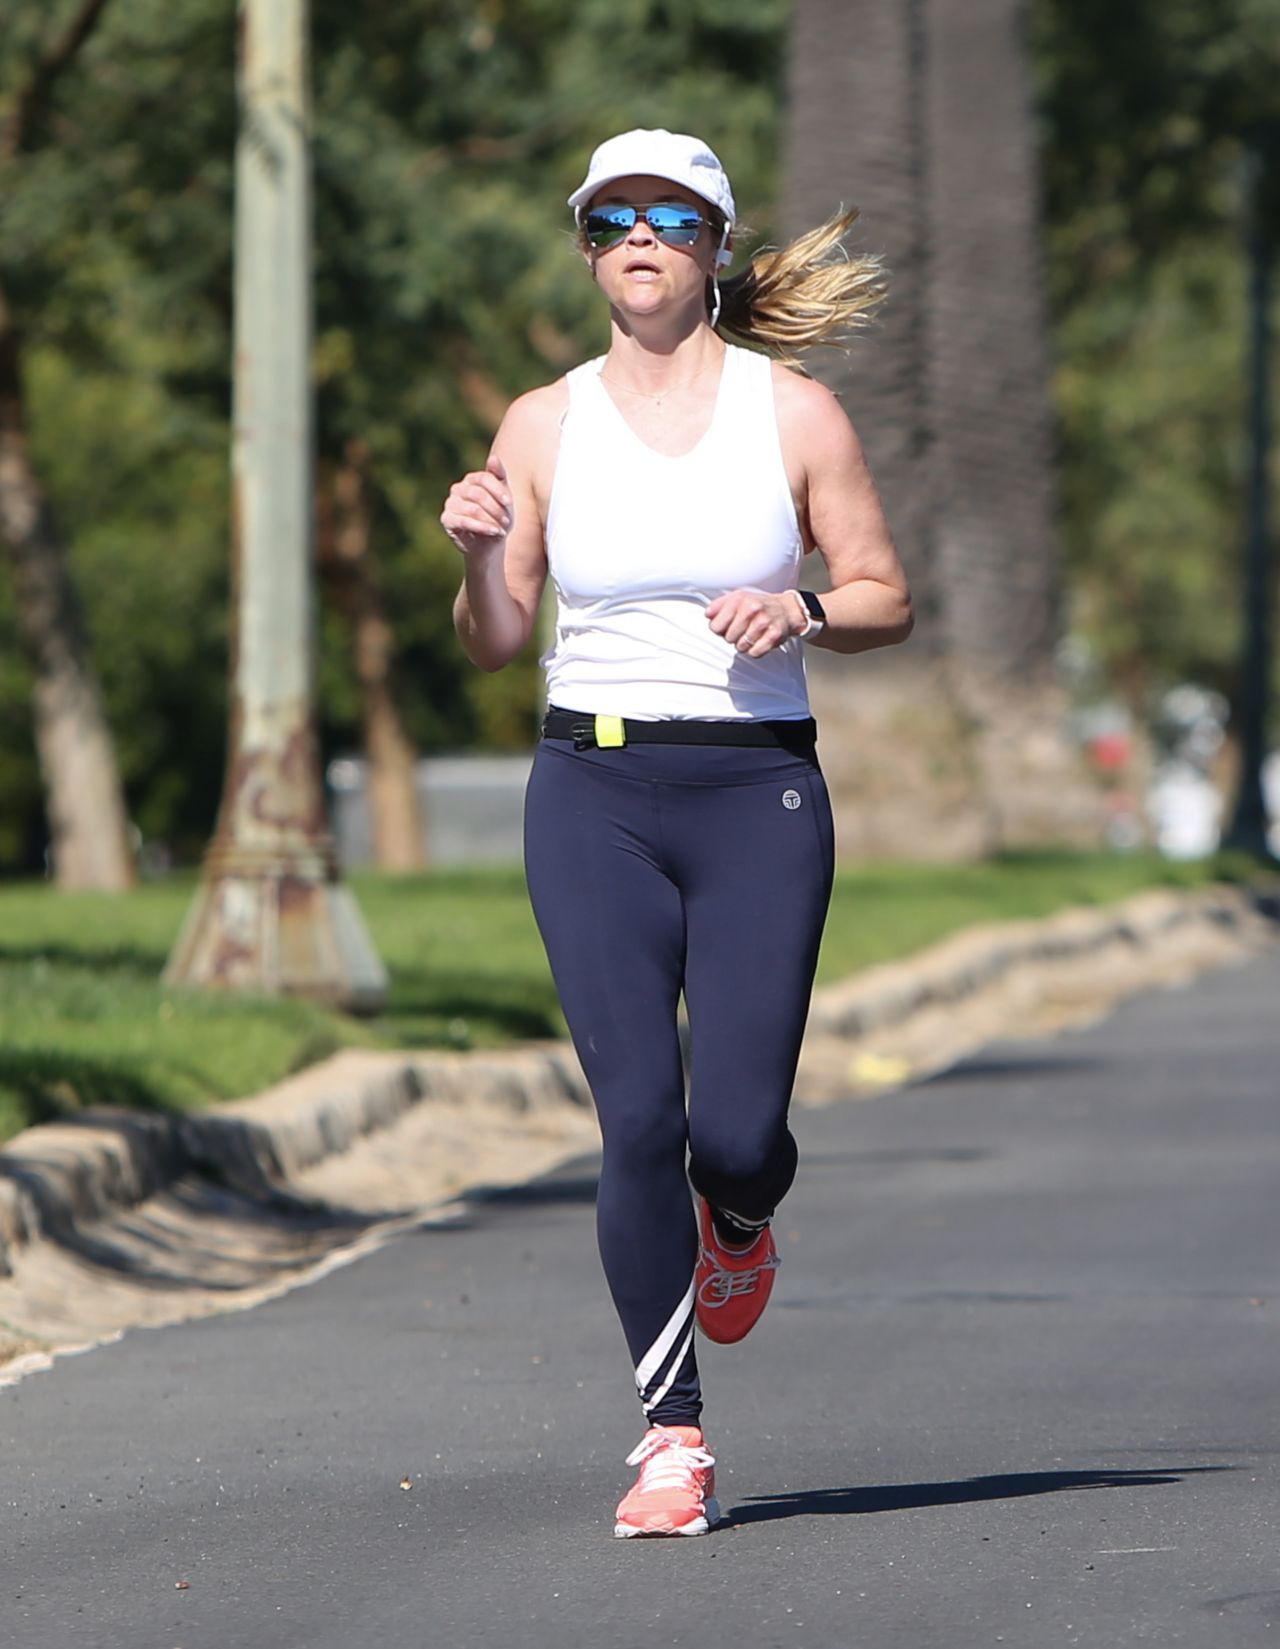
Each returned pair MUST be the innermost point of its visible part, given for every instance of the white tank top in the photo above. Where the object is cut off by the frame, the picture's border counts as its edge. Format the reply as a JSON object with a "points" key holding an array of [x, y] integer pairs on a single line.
{"points": [[639, 543]]}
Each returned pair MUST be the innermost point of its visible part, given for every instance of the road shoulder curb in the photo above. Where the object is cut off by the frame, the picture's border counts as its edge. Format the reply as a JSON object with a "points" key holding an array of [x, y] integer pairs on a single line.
{"points": [[59, 1178]]}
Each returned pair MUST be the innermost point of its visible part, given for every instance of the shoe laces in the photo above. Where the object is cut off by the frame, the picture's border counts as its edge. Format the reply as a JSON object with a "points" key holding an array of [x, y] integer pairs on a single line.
{"points": [[666, 1461], [721, 1285]]}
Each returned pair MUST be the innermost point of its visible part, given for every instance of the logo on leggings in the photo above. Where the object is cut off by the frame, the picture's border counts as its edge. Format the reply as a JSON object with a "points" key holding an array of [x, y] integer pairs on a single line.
{"points": [[791, 800]]}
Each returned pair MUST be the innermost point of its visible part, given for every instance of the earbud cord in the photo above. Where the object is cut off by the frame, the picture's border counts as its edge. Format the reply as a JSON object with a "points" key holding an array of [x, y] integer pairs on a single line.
{"points": [[722, 258]]}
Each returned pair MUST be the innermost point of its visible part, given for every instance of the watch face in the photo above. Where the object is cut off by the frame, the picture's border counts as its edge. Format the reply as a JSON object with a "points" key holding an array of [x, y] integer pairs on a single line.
{"points": [[816, 609]]}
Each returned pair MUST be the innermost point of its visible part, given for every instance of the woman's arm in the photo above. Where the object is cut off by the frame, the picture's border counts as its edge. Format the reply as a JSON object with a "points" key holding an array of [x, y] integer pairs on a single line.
{"points": [[869, 604], [496, 518]]}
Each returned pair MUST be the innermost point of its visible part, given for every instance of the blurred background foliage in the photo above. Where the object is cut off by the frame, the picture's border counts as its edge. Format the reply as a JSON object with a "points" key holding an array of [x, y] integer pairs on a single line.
{"points": [[446, 137], [1144, 111]]}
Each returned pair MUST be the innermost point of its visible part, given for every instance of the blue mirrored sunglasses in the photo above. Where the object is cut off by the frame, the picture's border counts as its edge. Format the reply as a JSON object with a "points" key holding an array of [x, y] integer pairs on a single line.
{"points": [[674, 225]]}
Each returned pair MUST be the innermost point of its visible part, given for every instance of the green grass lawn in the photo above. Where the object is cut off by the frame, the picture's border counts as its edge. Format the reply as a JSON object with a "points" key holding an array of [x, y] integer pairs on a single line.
{"points": [[85, 1021]]}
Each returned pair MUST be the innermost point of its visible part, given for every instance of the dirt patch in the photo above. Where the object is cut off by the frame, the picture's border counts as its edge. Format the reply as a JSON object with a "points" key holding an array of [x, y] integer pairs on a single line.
{"points": [[196, 1249]]}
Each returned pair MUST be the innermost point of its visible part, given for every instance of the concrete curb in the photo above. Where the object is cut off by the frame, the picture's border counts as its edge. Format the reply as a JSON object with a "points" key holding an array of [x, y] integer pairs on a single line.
{"points": [[261, 1145], [969, 961], [61, 1177]]}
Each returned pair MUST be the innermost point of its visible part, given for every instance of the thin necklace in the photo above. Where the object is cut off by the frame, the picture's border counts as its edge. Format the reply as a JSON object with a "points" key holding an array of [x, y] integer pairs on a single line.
{"points": [[658, 399]]}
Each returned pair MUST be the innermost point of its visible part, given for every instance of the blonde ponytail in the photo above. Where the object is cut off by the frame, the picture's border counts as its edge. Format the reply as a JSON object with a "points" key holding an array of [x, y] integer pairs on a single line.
{"points": [[810, 292]]}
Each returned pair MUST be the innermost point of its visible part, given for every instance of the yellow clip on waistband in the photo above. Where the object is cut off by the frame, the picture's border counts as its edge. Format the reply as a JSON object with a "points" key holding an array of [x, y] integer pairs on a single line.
{"points": [[610, 733]]}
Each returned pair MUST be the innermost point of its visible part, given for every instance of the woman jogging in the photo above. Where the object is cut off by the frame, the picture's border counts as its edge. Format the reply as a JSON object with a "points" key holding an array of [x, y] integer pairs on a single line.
{"points": [[677, 832]]}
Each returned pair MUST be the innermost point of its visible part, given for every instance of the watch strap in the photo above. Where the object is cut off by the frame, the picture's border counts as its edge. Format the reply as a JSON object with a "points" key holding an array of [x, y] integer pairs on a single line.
{"points": [[815, 613]]}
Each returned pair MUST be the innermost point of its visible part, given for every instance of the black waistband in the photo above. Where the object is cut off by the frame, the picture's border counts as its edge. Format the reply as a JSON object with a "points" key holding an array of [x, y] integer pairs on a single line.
{"points": [[612, 732]]}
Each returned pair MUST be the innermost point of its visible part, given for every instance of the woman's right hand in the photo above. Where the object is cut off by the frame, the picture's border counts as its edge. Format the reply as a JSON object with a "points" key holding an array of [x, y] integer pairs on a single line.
{"points": [[477, 514]]}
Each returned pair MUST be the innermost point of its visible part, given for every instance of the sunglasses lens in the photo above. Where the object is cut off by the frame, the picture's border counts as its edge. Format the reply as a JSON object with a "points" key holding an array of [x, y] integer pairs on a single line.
{"points": [[676, 225], [607, 225]]}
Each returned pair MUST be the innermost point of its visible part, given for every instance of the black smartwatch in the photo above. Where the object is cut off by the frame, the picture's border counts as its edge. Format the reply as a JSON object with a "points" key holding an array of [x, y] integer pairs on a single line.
{"points": [[816, 611]]}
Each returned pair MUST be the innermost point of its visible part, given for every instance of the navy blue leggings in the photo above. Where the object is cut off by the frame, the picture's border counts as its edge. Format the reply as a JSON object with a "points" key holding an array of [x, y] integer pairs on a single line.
{"points": [[653, 870]]}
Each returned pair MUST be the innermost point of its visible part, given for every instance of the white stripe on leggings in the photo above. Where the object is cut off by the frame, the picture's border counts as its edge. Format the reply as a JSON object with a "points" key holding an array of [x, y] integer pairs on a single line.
{"points": [[653, 1359], [666, 1385]]}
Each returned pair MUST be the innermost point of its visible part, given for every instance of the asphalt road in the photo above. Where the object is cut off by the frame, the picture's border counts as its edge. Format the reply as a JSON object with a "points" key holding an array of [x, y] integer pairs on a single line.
{"points": [[1018, 1385]]}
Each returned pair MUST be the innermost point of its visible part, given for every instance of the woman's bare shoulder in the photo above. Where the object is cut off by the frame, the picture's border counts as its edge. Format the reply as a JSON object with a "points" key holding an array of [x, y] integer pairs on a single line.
{"points": [[799, 396], [529, 436], [808, 412], [537, 411], [528, 439]]}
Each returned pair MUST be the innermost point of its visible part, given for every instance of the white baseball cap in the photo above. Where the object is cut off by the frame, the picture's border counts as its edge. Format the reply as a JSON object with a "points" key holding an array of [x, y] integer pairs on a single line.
{"points": [[672, 155]]}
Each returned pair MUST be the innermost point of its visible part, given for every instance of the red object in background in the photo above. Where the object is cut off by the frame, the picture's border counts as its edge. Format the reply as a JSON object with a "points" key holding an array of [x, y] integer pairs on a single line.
{"points": [[1111, 750]]}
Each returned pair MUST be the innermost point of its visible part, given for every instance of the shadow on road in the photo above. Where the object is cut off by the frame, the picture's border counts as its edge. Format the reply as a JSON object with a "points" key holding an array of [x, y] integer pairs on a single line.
{"points": [[994, 1066], [562, 1185], [898, 1497]]}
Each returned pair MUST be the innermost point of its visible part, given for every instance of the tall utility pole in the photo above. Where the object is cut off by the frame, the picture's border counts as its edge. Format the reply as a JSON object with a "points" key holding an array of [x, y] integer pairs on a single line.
{"points": [[1249, 826], [271, 914]]}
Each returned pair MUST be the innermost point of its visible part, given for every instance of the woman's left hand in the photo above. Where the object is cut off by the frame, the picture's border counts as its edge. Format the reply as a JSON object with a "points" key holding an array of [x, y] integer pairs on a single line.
{"points": [[754, 621]]}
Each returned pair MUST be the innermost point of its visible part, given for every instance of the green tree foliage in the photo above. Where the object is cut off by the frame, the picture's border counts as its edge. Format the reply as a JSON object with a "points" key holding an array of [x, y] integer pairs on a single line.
{"points": [[446, 140], [1145, 107], [446, 137], [115, 255]]}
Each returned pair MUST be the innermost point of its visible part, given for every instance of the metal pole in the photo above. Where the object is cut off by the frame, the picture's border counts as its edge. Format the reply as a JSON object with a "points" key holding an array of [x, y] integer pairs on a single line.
{"points": [[271, 914], [1249, 826]]}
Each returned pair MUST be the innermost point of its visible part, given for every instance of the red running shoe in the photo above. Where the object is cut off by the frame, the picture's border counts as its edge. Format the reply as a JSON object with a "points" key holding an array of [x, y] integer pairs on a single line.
{"points": [[732, 1285], [675, 1492]]}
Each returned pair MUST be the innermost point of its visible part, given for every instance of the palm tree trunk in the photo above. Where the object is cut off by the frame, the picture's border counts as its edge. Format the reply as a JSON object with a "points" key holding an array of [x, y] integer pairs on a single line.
{"points": [[988, 357], [995, 538], [896, 743], [88, 825], [919, 112], [855, 137]]}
